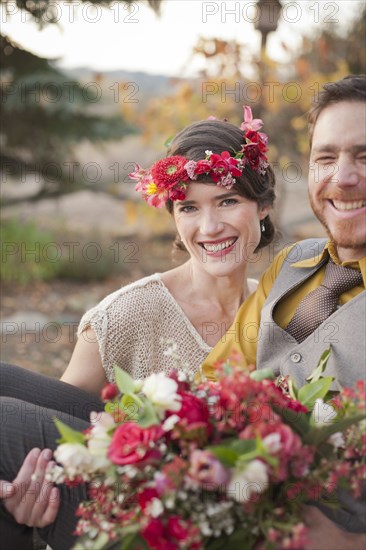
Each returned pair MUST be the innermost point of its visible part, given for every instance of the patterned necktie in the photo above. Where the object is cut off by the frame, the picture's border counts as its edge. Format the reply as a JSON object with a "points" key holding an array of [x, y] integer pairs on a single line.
{"points": [[314, 309]]}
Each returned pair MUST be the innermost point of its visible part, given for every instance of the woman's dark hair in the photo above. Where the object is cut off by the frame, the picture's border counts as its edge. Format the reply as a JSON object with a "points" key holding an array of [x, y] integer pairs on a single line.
{"points": [[218, 136]]}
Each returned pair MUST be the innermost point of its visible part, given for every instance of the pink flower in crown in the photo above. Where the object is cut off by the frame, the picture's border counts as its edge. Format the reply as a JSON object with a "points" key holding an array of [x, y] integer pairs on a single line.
{"points": [[157, 198], [250, 123], [153, 195], [139, 173], [190, 167], [226, 181]]}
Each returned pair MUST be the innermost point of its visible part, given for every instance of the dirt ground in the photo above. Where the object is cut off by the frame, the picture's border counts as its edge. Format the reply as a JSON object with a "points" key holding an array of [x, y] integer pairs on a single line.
{"points": [[39, 319]]}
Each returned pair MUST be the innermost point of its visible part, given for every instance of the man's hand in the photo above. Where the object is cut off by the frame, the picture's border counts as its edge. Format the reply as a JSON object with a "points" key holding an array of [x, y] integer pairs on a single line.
{"points": [[31, 499], [323, 534]]}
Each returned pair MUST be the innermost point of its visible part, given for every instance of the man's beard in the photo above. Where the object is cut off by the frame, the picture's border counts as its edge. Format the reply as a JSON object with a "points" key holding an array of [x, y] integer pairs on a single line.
{"points": [[346, 233]]}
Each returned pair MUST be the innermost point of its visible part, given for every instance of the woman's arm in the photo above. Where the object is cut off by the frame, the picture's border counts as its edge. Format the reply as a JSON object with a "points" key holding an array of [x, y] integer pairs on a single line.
{"points": [[85, 369]]}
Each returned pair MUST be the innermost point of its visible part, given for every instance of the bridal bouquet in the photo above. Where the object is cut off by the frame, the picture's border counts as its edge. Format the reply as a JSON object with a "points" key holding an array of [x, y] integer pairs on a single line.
{"points": [[179, 463]]}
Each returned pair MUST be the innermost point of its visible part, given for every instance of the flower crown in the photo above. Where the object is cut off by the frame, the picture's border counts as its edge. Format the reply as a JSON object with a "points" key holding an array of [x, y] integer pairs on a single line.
{"points": [[167, 178]]}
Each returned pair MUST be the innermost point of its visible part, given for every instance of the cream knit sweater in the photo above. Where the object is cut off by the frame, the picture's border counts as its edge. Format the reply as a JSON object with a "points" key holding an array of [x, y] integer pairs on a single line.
{"points": [[133, 325]]}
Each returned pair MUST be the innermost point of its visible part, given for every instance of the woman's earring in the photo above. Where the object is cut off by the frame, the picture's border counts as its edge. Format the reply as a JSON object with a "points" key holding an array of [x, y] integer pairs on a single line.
{"points": [[262, 226]]}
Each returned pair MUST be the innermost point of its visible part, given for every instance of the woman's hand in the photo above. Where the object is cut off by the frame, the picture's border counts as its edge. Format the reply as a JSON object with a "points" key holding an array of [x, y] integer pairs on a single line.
{"points": [[325, 535], [33, 500], [6, 489]]}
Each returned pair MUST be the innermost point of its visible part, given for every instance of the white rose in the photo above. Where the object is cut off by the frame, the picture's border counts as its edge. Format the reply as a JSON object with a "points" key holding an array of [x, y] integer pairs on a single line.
{"points": [[75, 458], [161, 391], [100, 439], [323, 413], [252, 479]]}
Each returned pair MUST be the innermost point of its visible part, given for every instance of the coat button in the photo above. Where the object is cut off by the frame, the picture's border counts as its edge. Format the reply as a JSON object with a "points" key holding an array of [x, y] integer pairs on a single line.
{"points": [[296, 357]]}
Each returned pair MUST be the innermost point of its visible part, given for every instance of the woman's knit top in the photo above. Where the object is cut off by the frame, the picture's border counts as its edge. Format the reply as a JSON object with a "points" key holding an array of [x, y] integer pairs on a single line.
{"points": [[134, 325]]}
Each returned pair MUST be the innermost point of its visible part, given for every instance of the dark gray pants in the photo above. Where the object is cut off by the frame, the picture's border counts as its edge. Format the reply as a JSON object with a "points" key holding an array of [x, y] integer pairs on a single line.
{"points": [[29, 402]]}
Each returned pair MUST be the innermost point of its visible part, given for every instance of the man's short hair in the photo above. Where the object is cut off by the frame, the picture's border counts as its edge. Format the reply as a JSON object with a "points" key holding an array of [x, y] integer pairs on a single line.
{"points": [[349, 88]]}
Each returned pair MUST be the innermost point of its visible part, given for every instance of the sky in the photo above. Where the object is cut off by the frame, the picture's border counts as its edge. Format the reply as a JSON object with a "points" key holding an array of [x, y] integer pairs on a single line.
{"points": [[110, 39]]}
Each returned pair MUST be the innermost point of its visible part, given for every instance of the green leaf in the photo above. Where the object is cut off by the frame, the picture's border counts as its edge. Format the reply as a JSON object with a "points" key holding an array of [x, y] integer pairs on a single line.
{"points": [[318, 371], [292, 388], [130, 539], [112, 407], [101, 541], [148, 416], [131, 406], [309, 393], [298, 421], [124, 381], [244, 446], [225, 454], [316, 436], [262, 374], [68, 435], [168, 141], [240, 538]]}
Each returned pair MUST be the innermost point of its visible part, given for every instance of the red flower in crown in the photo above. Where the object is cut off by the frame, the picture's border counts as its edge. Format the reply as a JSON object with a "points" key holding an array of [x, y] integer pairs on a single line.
{"points": [[169, 172], [259, 138], [167, 179]]}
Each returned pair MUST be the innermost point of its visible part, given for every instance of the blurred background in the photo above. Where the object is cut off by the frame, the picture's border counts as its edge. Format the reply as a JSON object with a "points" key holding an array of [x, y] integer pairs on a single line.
{"points": [[90, 87]]}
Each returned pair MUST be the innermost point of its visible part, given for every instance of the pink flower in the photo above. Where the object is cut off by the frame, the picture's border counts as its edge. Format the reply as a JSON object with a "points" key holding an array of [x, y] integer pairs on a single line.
{"points": [[130, 443], [190, 168], [205, 469], [138, 173], [250, 123]]}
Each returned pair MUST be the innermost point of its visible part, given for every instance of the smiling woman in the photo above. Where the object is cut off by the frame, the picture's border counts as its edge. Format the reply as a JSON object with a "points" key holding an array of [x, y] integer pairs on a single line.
{"points": [[219, 188]]}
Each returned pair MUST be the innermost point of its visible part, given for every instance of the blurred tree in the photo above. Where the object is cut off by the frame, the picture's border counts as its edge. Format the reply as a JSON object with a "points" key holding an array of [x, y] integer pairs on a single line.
{"points": [[218, 91], [44, 113], [327, 53]]}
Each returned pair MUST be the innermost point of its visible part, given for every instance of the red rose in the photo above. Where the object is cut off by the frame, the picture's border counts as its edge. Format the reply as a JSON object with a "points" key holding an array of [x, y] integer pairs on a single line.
{"points": [[155, 536], [183, 531], [193, 410], [109, 392], [153, 531], [177, 528], [130, 443]]}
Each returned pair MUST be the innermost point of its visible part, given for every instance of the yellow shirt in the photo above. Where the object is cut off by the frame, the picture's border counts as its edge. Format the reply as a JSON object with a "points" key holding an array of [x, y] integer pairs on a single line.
{"points": [[242, 336]]}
